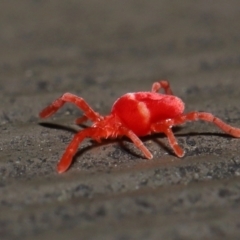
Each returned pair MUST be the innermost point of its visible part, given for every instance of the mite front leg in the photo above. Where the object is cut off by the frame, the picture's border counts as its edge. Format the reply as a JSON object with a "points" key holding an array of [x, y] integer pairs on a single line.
{"points": [[194, 116], [78, 101], [71, 150], [162, 84], [81, 120]]}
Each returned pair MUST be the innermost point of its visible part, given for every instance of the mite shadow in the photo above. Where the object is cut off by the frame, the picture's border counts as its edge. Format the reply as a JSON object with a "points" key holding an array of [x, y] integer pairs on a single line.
{"points": [[154, 137]]}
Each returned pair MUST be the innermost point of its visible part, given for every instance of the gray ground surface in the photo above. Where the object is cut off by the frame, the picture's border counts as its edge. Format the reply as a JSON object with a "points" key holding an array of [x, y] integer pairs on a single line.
{"points": [[100, 50]]}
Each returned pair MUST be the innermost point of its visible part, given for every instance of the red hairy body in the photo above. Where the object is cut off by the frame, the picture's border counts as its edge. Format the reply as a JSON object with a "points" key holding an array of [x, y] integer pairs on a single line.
{"points": [[133, 115], [138, 111]]}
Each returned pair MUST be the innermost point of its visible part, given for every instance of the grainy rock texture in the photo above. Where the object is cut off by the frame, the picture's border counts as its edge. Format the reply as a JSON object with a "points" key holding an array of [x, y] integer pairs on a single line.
{"points": [[100, 50]]}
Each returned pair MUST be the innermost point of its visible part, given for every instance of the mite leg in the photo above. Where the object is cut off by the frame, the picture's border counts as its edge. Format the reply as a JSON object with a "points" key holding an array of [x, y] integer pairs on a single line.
{"points": [[173, 142], [78, 101], [70, 151], [194, 116], [162, 84], [80, 120], [166, 129], [138, 143]]}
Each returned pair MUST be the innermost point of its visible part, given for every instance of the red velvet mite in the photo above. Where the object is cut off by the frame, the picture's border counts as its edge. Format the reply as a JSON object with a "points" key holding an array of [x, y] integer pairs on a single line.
{"points": [[133, 115]]}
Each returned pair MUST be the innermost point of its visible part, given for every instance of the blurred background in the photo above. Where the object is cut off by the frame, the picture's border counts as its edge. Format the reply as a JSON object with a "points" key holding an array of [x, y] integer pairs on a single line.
{"points": [[101, 50]]}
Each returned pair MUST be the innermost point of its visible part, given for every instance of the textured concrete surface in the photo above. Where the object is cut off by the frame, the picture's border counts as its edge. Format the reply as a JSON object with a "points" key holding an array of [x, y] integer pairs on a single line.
{"points": [[100, 50]]}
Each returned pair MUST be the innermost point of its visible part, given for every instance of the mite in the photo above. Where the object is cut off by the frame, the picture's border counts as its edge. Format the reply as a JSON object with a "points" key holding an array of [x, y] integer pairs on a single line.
{"points": [[133, 115]]}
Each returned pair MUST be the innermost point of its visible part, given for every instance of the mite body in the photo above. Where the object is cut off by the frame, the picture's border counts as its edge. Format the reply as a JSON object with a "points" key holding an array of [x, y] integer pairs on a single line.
{"points": [[138, 111], [133, 115]]}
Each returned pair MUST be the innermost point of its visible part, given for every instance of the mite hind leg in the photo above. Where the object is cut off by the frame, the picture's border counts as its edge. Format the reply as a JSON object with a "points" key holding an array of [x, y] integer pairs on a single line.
{"points": [[208, 117], [138, 143], [165, 128], [162, 84]]}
